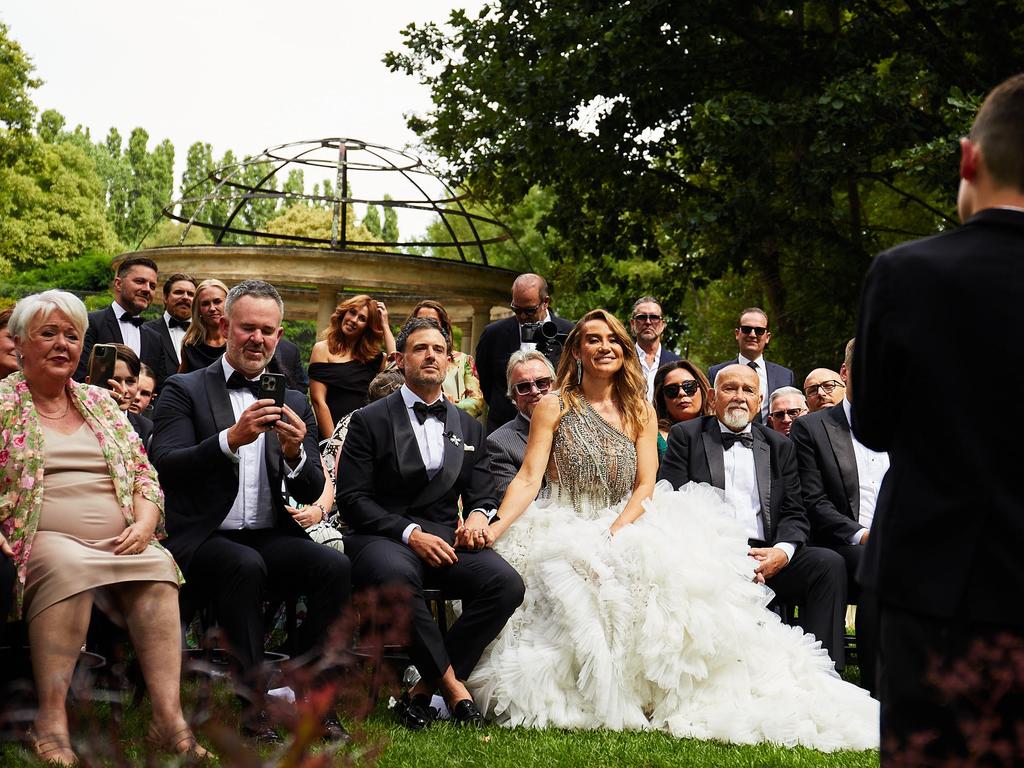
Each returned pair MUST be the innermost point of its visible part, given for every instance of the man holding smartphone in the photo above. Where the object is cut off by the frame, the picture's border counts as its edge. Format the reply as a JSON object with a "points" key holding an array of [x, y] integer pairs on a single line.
{"points": [[223, 452]]}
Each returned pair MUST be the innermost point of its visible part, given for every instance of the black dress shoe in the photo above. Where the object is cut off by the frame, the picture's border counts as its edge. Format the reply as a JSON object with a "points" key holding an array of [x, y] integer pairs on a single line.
{"points": [[415, 713], [258, 729], [334, 730], [465, 712]]}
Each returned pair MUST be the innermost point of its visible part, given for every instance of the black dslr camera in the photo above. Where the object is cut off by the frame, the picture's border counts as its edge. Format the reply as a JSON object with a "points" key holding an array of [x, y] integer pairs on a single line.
{"points": [[545, 335]]}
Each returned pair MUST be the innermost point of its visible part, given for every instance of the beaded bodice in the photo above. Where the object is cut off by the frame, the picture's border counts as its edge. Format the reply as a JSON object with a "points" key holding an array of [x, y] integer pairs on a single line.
{"points": [[594, 463]]}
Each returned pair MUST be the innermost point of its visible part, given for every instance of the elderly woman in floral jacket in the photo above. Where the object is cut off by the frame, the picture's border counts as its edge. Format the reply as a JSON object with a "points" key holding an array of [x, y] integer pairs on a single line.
{"points": [[80, 514]]}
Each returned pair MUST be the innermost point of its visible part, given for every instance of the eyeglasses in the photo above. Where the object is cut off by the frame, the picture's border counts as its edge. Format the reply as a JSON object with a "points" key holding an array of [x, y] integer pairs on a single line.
{"points": [[647, 318], [689, 389], [757, 330], [526, 387], [524, 310], [791, 412], [828, 387]]}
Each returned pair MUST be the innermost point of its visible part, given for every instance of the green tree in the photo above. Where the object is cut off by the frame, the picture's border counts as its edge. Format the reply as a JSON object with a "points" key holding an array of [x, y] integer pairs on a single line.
{"points": [[372, 220], [294, 184], [17, 111], [389, 232], [195, 181], [684, 142]]}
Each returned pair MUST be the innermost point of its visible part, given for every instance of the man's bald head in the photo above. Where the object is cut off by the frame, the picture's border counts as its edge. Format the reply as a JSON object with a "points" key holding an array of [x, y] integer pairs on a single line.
{"points": [[530, 298], [815, 385]]}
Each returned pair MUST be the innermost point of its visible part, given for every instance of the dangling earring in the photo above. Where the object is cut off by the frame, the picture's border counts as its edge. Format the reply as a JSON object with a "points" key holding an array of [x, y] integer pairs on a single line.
{"points": [[579, 371]]}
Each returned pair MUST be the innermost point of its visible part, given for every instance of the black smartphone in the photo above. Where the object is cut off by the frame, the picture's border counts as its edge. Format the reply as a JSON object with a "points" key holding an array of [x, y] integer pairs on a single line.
{"points": [[101, 364], [272, 388]]}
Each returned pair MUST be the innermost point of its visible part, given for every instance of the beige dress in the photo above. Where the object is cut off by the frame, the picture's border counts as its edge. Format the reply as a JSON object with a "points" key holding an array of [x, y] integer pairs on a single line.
{"points": [[73, 549]]}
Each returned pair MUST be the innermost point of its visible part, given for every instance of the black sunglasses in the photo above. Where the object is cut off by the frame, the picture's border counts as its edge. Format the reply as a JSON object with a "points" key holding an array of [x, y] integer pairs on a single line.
{"points": [[757, 330], [689, 389], [791, 412], [647, 317], [525, 387], [524, 310]]}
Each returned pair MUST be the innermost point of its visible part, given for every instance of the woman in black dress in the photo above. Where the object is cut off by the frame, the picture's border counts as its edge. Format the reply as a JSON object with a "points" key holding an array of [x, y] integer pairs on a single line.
{"points": [[203, 344], [351, 352]]}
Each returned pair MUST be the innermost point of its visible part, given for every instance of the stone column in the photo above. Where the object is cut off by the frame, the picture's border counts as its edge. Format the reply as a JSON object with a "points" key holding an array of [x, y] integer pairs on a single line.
{"points": [[481, 316], [327, 300]]}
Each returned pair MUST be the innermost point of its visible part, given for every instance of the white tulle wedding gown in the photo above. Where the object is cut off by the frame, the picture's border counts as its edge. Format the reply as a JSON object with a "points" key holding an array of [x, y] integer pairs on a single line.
{"points": [[659, 626]]}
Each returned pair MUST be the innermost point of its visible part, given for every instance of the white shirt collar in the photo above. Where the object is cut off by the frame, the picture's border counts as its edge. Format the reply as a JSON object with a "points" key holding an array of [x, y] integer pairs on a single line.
{"points": [[848, 410], [119, 311], [228, 370], [547, 318], [743, 361], [409, 397], [167, 318]]}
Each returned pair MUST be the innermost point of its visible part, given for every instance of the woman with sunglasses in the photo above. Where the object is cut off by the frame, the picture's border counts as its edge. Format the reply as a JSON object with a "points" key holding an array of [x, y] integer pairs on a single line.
{"points": [[680, 394]]}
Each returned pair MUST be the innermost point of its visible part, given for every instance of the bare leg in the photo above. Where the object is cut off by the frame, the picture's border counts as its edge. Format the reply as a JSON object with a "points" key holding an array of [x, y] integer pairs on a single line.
{"points": [[55, 637], [451, 688]]}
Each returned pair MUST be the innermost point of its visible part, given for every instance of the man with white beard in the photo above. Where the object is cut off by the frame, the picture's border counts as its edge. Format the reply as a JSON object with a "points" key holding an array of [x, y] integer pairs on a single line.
{"points": [[757, 469]]}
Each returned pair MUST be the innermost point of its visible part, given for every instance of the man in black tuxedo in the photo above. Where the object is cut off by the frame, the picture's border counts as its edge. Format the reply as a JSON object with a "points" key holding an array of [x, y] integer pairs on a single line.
{"points": [[530, 377], [222, 456], [407, 461], [840, 479], [752, 336], [648, 324], [944, 553], [530, 304], [757, 469], [121, 322], [179, 292]]}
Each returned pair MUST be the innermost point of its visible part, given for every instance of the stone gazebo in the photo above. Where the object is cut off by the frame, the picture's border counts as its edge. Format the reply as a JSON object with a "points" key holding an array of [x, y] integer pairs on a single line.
{"points": [[314, 272]]}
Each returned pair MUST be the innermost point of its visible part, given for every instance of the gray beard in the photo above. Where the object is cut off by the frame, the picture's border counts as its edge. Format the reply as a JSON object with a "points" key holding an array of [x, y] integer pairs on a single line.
{"points": [[736, 418]]}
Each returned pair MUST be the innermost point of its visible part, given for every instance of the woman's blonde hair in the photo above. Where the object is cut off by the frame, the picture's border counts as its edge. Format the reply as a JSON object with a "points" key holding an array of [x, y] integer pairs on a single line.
{"points": [[371, 340], [630, 383], [26, 310], [197, 331]]}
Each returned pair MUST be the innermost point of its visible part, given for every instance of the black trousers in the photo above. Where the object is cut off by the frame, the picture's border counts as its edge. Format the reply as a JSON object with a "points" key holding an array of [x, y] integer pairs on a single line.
{"points": [[489, 588], [867, 618], [815, 579], [235, 570], [8, 576], [949, 688]]}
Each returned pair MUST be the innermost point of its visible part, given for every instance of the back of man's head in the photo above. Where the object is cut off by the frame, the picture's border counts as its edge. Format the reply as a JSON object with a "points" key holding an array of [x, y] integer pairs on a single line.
{"points": [[999, 131]]}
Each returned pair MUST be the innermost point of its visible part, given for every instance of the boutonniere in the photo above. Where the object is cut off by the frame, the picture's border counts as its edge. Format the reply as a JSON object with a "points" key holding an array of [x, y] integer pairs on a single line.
{"points": [[455, 439]]}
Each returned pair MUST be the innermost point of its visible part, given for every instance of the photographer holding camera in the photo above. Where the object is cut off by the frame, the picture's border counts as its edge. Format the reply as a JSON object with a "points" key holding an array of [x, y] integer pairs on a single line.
{"points": [[533, 326]]}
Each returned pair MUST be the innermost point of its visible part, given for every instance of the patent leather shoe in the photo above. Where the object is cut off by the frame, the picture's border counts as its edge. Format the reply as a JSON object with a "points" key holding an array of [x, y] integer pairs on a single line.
{"points": [[334, 730], [415, 712], [258, 729], [465, 712]]}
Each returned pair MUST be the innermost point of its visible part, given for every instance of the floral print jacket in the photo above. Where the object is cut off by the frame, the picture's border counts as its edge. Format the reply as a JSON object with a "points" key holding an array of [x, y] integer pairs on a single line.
{"points": [[22, 470]]}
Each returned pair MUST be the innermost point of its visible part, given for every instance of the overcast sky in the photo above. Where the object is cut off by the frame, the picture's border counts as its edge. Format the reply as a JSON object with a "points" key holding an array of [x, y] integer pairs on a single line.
{"points": [[239, 75]]}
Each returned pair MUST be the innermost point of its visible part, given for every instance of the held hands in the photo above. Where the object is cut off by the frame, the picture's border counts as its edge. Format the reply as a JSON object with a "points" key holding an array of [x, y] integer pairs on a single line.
{"points": [[770, 560], [134, 539], [307, 516], [433, 550], [474, 533]]}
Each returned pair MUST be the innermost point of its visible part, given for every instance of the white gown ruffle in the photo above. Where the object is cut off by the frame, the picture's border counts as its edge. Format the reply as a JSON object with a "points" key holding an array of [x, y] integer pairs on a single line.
{"points": [[659, 627]]}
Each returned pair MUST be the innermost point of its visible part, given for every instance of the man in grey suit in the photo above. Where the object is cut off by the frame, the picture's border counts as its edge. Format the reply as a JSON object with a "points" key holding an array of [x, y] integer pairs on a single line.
{"points": [[530, 376]]}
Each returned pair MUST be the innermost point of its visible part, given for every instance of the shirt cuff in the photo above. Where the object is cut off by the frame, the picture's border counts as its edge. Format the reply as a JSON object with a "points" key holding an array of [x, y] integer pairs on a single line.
{"points": [[302, 460], [855, 539], [789, 549], [408, 532], [489, 513], [223, 438]]}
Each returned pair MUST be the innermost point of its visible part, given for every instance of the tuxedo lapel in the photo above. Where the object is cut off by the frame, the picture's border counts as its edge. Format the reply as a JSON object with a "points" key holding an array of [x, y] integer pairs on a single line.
{"points": [[165, 339], [838, 431], [407, 451], [217, 396], [113, 325], [763, 470], [454, 451], [714, 452]]}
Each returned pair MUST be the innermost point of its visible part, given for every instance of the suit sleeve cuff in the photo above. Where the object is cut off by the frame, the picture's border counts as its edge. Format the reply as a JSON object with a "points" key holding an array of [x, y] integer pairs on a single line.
{"points": [[855, 539], [408, 532], [488, 513], [298, 467], [223, 439], [789, 549]]}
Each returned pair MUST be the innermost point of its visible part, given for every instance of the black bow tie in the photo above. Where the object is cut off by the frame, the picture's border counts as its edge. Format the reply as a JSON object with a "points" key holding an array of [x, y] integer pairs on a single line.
{"points": [[133, 319], [238, 381], [176, 323], [437, 410], [729, 439]]}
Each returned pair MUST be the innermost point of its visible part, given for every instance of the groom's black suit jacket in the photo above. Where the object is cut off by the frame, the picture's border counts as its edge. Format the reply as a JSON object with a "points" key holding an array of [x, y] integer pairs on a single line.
{"points": [[383, 486], [164, 359], [200, 482], [828, 475], [695, 454], [948, 532], [104, 328]]}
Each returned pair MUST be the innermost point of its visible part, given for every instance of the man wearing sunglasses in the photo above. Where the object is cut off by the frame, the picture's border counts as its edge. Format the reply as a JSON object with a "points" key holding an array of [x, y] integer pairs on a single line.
{"points": [[785, 406], [530, 304], [647, 324], [752, 336], [530, 377], [823, 388]]}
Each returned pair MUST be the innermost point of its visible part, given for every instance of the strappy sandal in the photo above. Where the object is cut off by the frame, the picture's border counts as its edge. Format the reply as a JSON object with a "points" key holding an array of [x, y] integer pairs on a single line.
{"points": [[182, 743], [45, 745]]}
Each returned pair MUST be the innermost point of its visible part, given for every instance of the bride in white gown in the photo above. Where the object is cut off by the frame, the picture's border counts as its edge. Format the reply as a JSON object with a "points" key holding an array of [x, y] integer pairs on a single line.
{"points": [[641, 610]]}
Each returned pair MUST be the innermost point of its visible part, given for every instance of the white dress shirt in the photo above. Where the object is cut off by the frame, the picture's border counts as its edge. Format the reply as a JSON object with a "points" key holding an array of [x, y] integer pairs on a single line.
{"points": [[132, 336], [531, 345], [762, 375], [253, 507], [871, 469], [649, 370], [741, 491], [177, 335]]}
